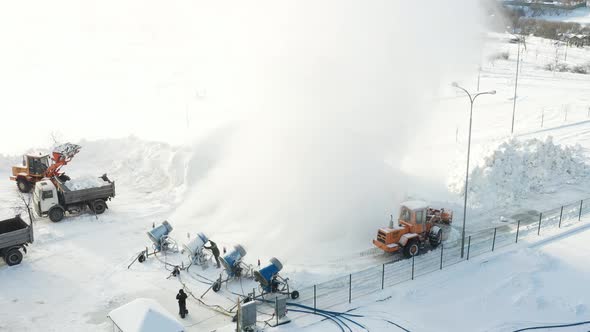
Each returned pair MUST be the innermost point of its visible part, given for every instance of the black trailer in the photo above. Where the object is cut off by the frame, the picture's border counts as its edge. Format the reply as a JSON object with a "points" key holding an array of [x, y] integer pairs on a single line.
{"points": [[15, 235]]}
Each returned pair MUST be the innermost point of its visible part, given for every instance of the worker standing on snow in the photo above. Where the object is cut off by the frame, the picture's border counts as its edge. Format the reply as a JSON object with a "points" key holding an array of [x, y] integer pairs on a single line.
{"points": [[181, 297], [215, 251]]}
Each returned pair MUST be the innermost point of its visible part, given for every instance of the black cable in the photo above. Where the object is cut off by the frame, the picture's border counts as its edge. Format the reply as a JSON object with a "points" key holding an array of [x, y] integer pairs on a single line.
{"points": [[552, 326], [320, 314]]}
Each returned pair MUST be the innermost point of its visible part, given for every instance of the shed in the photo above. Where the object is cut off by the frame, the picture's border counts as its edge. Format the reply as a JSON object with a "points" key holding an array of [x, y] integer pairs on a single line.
{"points": [[144, 315]]}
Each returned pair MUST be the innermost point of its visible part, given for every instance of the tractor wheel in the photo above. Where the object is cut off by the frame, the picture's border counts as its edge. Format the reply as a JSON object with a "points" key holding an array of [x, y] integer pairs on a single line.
{"points": [[435, 239], [23, 185], [412, 248], [56, 214], [294, 295], [99, 206], [216, 286], [13, 257]]}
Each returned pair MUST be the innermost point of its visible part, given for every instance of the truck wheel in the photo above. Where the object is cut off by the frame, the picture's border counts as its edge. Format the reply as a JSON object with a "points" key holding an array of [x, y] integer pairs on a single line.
{"points": [[23, 185], [411, 248], [435, 239], [13, 257], [99, 206], [56, 214]]}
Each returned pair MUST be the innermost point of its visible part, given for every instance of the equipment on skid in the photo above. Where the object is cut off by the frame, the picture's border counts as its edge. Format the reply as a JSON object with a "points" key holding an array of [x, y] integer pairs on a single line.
{"points": [[36, 167], [417, 224]]}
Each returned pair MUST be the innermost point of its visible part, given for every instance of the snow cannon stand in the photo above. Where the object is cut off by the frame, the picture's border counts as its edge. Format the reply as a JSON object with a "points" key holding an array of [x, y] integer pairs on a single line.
{"points": [[195, 251], [233, 267], [161, 242], [271, 282]]}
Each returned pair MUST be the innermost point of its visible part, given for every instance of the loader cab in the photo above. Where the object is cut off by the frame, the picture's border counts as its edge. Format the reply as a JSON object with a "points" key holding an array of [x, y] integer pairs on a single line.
{"points": [[36, 165], [44, 196], [414, 215]]}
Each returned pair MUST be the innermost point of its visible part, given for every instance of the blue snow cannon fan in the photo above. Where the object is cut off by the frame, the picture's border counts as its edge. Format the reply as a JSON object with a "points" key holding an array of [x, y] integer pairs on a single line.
{"points": [[231, 261], [271, 282], [160, 237]]}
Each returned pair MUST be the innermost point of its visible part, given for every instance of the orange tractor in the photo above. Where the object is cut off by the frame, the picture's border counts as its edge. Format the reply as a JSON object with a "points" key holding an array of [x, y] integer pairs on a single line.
{"points": [[417, 225], [37, 167]]}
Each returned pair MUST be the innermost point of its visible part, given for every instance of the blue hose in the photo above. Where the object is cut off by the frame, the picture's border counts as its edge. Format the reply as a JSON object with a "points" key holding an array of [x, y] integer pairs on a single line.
{"points": [[323, 315], [552, 326]]}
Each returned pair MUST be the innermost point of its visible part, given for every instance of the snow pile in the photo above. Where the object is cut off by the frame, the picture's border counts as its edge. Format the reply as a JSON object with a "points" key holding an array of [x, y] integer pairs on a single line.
{"points": [[86, 182], [518, 169]]}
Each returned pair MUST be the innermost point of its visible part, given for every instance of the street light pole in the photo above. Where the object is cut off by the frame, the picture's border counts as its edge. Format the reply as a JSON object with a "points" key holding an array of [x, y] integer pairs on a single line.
{"points": [[515, 86], [471, 100]]}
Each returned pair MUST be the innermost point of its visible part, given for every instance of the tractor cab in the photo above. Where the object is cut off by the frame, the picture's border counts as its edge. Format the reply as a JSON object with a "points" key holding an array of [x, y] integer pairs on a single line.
{"points": [[36, 165]]}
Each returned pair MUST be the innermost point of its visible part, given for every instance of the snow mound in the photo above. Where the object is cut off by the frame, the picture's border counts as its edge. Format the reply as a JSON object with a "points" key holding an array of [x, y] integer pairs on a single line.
{"points": [[85, 183], [518, 169]]}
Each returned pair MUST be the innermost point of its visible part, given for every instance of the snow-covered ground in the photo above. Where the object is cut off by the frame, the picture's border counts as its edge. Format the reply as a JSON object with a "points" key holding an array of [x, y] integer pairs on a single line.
{"points": [[77, 270]]}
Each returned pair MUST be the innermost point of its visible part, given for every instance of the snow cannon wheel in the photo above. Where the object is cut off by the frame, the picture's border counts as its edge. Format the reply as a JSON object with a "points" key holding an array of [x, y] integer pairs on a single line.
{"points": [[56, 214], [141, 258], [13, 257], [411, 248], [216, 286], [294, 295], [23, 185], [99, 206]]}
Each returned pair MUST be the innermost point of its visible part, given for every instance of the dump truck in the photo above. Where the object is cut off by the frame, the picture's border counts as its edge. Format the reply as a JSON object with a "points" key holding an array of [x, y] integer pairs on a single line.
{"points": [[35, 168], [15, 235], [53, 198], [417, 225]]}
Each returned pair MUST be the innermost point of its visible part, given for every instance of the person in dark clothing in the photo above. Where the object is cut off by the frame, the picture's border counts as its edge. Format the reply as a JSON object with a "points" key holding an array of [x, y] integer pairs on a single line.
{"points": [[181, 297], [215, 251]]}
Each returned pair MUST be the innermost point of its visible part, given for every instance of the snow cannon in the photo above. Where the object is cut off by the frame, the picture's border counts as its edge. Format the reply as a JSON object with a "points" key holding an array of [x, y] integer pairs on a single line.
{"points": [[195, 248], [231, 261], [271, 282], [159, 235], [266, 275]]}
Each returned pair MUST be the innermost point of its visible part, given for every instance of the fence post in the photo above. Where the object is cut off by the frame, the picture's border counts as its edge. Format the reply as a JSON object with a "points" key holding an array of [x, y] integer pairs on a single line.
{"points": [[494, 241], [517, 229], [580, 214], [383, 277], [314, 298], [468, 247], [560, 216], [539, 229], [442, 249], [350, 288], [413, 267]]}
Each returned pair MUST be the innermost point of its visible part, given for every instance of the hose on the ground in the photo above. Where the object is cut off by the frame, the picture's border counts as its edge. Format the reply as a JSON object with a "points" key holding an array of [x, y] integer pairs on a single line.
{"points": [[552, 326]]}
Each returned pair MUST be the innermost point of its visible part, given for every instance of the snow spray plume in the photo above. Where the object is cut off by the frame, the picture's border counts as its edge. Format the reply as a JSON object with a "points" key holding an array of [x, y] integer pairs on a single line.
{"points": [[326, 91]]}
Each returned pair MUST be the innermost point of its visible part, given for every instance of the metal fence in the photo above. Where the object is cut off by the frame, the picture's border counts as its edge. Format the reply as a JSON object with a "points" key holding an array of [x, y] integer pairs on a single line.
{"points": [[347, 288]]}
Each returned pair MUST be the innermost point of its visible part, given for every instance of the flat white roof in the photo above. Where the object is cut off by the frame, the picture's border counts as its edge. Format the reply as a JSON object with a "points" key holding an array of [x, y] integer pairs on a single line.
{"points": [[144, 315], [415, 204]]}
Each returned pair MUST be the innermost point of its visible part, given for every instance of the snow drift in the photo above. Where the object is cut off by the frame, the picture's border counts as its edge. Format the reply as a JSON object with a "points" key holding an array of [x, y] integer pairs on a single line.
{"points": [[517, 169]]}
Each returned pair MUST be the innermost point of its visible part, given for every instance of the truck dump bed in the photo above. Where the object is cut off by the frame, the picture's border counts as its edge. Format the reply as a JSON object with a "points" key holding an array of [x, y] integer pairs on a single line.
{"points": [[86, 195], [14, 232]]}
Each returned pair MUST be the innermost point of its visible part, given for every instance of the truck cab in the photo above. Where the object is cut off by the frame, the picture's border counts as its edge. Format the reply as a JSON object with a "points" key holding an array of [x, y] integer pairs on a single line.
{"points": [[45, 196]]}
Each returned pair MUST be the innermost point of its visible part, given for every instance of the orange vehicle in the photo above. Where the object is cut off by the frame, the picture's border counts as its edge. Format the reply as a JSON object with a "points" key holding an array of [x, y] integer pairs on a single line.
{"points": [[36, 167], [417, 224]]}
